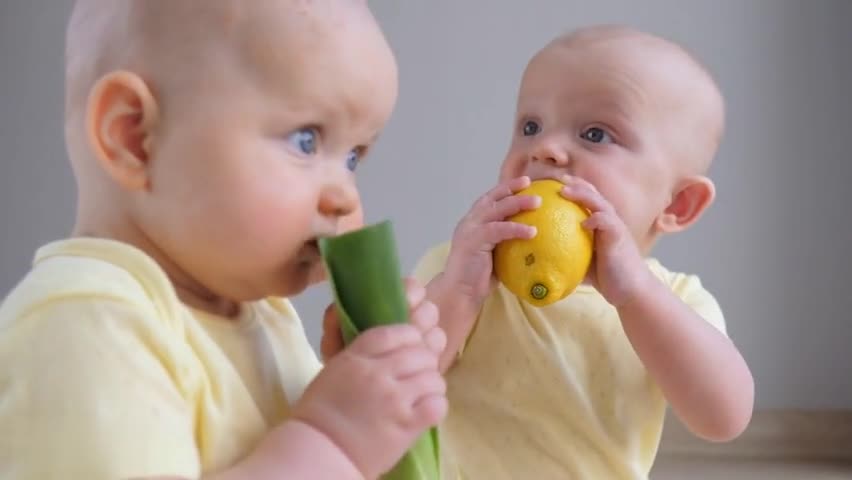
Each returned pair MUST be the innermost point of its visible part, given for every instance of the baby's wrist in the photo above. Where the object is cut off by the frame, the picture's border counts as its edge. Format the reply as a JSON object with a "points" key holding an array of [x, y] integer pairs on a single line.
{"points": [[309, 443], [448, 292], [641, 283]]}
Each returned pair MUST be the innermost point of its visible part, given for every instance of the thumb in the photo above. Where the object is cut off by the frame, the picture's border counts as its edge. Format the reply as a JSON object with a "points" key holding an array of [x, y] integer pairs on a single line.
{"points": [[332, 339]]}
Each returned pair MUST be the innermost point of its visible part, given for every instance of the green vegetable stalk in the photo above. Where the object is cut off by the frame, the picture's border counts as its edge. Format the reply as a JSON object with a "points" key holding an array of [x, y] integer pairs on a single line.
{"points": [[364, 271]]}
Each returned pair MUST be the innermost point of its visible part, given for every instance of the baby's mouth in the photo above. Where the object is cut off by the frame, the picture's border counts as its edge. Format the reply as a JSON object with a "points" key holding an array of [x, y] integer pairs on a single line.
{"points": [[546, 176], [310, 251]]}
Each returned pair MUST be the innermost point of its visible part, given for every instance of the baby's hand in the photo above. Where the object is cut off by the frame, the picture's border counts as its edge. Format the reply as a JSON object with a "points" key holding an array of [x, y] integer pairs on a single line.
{"points": [[331, 342], [378, 395], [469, 266], [618, 269]]}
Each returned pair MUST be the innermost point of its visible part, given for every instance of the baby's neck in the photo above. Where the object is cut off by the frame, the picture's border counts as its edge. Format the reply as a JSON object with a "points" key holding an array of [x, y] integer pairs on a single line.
{"points": [[208, 302], [192, 293]]}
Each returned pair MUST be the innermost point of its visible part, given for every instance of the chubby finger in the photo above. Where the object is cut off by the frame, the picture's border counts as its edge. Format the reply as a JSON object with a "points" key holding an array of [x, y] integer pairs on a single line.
{"points": [[585, 194], [508, 188], [430, 410], [603, 221], [574, 180], [495, 232], [508, 206], [380, 341], [436, 340], [504, 189], [409, 362], [414, 292], [429, 404], [425, 317], [331, 342], [330, 320]]}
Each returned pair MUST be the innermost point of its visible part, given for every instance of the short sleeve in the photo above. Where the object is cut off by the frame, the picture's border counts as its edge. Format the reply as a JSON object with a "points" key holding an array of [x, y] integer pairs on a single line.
{"points": [[93, 389], [431, 263], [690, 289]]}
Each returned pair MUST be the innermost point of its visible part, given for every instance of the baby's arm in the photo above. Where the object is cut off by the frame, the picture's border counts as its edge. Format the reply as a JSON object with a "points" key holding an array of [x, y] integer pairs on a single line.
{"points": [[458, 316], [698, 368], [700, 371], [459, 284], [293, 450]]}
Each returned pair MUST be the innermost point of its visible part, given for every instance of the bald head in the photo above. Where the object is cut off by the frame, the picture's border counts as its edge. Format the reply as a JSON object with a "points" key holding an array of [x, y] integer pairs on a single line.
{"points": [[152, 38], [182, 50], [676, 82], [174, 44]]}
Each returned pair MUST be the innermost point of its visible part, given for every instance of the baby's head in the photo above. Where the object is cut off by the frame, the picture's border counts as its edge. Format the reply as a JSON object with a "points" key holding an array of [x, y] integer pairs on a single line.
{"points": [[221, 136], [633, 114]]}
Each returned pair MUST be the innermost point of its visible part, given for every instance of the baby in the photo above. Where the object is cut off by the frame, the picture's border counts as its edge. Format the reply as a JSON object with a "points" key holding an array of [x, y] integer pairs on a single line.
{"points": [[578, 390], [213, 143]]}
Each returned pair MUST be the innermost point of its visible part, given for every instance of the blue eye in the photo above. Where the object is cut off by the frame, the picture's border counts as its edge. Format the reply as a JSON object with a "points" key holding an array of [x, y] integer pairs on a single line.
{"points": [[531, 128], [596, 135], [353, 159], [304, 140]]}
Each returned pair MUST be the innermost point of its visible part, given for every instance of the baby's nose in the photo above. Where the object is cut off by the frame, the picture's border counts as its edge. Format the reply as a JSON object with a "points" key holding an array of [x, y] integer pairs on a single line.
{"points": [[339, 199], [550, 151]]}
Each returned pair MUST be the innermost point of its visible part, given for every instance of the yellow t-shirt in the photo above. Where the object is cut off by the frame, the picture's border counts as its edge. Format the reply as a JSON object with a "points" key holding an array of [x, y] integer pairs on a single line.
{"points": [[105, 374], [554, 393]]}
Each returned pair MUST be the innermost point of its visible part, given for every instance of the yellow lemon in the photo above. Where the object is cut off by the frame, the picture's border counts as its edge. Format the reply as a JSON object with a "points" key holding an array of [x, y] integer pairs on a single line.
{"points": [[548, 267]]}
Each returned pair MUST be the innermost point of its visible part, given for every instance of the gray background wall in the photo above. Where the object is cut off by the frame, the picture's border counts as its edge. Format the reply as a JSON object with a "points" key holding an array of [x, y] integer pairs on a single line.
{"points": [[773, 248]]}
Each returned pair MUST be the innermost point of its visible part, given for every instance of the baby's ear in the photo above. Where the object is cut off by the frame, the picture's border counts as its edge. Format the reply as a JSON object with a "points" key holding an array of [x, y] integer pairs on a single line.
{"points": [[120, 116], [690, 200]]}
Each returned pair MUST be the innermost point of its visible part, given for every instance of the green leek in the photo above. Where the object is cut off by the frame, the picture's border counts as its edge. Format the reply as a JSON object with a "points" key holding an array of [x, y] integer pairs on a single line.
{"points": [[363, 268]]}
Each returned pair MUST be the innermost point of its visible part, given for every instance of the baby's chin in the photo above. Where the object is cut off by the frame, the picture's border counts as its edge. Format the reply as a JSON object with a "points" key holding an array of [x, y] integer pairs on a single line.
{"points": [[289, 284], [288, 281]]}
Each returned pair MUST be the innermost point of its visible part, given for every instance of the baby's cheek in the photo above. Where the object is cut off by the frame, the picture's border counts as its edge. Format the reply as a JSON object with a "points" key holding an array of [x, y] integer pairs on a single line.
{"points": [[263, 228], [513, 166]]}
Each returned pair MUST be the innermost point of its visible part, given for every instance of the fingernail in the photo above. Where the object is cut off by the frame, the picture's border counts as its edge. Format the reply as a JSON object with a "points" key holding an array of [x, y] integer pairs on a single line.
{"points": [[536, 201], [533, 231]]}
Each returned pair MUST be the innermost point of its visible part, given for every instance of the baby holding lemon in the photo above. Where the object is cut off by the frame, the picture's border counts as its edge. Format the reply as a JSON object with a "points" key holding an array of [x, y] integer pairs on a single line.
{"points": [[614, 134]]}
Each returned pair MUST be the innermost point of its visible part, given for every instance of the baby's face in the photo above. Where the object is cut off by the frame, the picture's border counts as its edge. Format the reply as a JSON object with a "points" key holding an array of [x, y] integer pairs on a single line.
{"points": [[600, 113], [249, 170]]}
